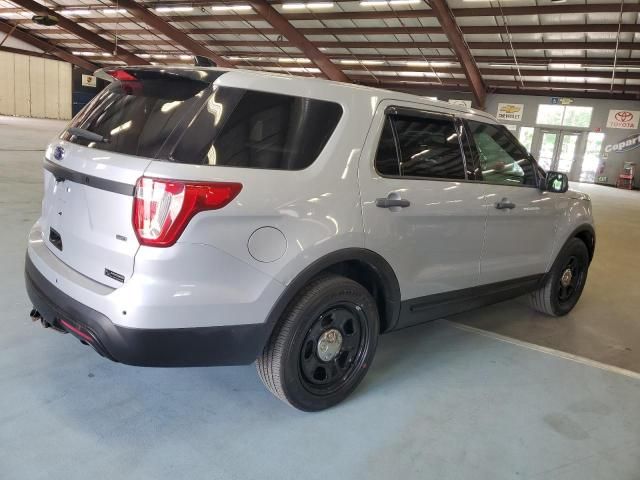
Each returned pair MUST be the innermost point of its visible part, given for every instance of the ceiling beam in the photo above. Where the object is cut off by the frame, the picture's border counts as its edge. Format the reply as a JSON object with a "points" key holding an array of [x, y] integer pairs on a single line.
{"points": [[421, 90], [528, 73], [461, 49], [483, 30], [255, 56], [280, 23], [538, 46], [46, 47], [73, 27], [158, 23], [514, 87], [389, 14]]}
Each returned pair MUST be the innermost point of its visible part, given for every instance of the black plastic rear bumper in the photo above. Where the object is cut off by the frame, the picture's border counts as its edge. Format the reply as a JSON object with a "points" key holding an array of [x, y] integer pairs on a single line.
{"points": [[178, 347]]}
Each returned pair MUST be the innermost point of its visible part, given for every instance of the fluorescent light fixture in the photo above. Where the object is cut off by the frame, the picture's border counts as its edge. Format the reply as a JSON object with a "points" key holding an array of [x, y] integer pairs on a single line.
{"points": [[10, 15], [227, 8], [303, 70], [520, 65], [159, 55], [174, 9], [186, 57], [362, 62], [294, 60], [75, 11], [310, 6], [107, 54], [319, 5], [113, 11], [382, 3], [411, 74], [424, 63], [610, 68], [84, 54], [144, 55]]}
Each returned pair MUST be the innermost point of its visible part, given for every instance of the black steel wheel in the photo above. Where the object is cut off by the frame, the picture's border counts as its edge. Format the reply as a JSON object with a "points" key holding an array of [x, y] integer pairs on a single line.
{"points": [[333, 349], [323, 345], [565, 282]]}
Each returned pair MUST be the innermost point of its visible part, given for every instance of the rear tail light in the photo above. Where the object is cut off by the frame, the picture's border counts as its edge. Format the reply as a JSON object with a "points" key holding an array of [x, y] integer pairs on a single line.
{"points": [[162, 208]]}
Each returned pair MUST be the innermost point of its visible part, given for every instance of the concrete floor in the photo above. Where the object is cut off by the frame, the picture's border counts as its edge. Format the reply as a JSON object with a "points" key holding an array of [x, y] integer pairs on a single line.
{"points": [[605, 324], [441, 401]]}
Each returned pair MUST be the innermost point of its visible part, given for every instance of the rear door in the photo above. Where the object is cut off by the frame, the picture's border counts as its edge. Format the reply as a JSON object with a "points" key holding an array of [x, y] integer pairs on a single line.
{"points": [[521, 219], [90, 174], [420, 212]]}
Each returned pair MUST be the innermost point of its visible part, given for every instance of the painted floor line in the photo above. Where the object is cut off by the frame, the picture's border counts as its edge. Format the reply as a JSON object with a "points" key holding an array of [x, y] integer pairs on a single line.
{"points": [[548, 351]]}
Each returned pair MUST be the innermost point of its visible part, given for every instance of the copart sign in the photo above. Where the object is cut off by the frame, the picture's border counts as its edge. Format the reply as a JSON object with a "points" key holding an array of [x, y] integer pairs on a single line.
{"points": [[623, 119], [625, 144]]}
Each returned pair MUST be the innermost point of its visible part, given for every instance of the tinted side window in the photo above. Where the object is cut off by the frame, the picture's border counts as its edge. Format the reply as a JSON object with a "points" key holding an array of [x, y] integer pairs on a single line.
{"points": [[387, 155], [429, 147], [501, 158], [243, 128]]}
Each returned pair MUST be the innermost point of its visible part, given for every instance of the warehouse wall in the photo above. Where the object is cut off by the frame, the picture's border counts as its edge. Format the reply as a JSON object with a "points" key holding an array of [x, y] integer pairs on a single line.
{"points": [[612, 162], [34, 87]]}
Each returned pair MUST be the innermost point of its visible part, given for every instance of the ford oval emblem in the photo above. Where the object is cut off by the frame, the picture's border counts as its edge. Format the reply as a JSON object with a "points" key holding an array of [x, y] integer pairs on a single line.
{"points": [[58, 153]]}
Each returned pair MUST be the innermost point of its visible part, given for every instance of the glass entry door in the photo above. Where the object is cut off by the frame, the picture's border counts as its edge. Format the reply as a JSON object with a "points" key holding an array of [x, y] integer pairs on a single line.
{"points": [[547, 149], [557, 150]]}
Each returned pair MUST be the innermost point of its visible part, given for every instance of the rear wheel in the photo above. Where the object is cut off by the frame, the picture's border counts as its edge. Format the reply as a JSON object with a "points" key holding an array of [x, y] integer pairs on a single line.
{"points": [[323, 344], [565, 282]]}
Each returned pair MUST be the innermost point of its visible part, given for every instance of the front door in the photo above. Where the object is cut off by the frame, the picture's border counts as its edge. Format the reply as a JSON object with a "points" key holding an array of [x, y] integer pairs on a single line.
{"points": [[521, 219], [420, 212], [557, 150]]}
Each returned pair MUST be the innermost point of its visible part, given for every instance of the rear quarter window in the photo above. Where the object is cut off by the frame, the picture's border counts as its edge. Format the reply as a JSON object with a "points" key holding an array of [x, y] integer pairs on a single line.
{"points": [[251, 129]]}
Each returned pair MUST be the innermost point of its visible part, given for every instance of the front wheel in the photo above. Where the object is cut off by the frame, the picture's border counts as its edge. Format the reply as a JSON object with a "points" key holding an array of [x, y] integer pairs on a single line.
{"points": [[323, 345], [565, 282]]}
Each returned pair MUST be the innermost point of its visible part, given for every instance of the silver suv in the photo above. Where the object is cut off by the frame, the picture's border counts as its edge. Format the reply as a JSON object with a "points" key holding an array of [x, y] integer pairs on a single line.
{"points": [[199, 216]]}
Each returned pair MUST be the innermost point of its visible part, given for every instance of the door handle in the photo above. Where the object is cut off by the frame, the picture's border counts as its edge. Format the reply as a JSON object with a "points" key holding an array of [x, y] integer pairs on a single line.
{"points": [[392, 202], [505, 203]]}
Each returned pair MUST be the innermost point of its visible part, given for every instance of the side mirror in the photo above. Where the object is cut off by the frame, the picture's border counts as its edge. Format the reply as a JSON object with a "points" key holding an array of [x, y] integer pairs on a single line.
{"points": [[556, 182]]}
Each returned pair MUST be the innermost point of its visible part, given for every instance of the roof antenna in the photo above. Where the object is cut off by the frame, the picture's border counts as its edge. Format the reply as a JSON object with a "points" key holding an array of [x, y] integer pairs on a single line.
{"points": [[202, 61]]}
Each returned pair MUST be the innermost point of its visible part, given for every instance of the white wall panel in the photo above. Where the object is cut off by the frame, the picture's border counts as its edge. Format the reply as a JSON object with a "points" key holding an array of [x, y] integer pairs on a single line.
{"points": [[64, 90], [7, 84], [51, 89], [37, 83], [34, 87], [22, 88]]}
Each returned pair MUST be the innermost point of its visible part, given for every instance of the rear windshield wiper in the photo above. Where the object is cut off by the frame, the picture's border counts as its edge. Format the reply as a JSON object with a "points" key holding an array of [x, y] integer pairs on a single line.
{"points": [[82, 133]]}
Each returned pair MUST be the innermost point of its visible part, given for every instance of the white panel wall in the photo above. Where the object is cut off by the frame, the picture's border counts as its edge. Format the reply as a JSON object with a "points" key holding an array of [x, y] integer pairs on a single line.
{"points": [[34, 86], [7, 81], [36, 83], [21, 87]]}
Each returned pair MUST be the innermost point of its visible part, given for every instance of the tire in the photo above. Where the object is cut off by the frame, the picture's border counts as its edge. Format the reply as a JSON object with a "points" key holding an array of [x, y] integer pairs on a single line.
{"points": [[561, 291], [323, 344]]}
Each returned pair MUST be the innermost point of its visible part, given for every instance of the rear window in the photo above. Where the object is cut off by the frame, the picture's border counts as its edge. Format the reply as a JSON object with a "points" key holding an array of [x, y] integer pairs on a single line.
{"points": [[137, 117], [244, 128]]}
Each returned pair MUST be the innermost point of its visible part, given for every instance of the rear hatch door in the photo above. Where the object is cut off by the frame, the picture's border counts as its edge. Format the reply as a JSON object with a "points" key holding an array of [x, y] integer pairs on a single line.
{"points": [[91, 171]]}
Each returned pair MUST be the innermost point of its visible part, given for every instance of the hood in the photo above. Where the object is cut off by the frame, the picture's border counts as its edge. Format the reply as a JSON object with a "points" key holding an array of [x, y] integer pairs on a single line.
{"points": [[578, 195]]}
